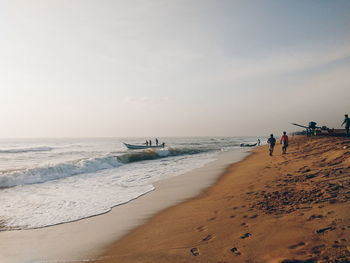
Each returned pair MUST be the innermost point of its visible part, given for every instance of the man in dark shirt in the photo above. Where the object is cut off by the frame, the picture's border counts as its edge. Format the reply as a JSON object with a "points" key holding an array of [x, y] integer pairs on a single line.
{"points": [[347, 124], [271, 142]]}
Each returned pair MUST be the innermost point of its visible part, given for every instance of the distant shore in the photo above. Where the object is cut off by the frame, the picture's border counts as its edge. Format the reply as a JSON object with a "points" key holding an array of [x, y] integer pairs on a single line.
{"points": [[284, 208]]}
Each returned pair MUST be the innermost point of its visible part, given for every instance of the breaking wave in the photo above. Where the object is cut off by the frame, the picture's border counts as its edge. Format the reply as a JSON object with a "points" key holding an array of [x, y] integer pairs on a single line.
{"points": [[156, 154], [63, 170], [48, 173]]}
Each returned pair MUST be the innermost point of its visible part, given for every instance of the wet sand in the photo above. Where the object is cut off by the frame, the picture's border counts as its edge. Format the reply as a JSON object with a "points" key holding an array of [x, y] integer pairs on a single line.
{"points": [[284, 208], [86, 239]]}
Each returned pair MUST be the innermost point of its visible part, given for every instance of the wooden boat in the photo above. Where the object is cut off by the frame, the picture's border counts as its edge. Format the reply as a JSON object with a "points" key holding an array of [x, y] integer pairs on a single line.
{"points": [[322, 131], [141, 147]]}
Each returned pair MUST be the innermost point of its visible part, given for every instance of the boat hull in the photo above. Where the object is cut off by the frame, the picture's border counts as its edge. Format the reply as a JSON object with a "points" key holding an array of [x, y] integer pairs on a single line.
{"points": [[141, 147]]}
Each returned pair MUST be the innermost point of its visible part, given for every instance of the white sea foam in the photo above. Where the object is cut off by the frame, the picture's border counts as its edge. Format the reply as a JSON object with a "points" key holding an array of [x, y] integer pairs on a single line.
{"points": [[85, 195], [31, 207]]}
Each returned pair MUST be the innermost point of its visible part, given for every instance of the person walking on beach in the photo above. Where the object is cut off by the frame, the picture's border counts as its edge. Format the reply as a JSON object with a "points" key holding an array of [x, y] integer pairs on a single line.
{"points": [[284, 142], [271, 142], [311, 130], [347, 124], [258, 142]]}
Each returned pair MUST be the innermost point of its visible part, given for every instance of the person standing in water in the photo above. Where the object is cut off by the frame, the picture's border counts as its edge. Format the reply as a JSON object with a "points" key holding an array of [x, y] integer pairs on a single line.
{"points": [[150, 142], [258, 142], [347, 124], [146, 143], [284, 142], [156, 141], [271, 142]]}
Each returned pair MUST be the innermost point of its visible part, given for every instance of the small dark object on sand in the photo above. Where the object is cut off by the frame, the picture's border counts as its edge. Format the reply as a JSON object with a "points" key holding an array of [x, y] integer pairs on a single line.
{"points": [[195, 251], [322, 230], [246, 235], [235, 250]]}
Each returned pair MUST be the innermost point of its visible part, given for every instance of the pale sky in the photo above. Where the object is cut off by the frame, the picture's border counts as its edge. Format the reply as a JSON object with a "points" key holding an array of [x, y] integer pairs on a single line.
{"points": [[95, 68]]}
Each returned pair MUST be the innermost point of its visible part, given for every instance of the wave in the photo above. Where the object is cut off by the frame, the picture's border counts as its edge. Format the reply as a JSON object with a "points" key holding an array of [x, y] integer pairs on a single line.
{"points": [[157, 154], [63, 170], [59, 171], [24, 150]]}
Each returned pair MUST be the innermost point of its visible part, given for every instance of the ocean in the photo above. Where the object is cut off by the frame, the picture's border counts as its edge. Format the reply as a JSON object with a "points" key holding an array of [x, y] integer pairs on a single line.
{"points": [[45, 182]]}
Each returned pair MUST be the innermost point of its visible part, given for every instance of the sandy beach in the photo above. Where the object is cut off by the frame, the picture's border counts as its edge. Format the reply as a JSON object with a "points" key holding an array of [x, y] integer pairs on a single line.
{"points": [[284, 208]]}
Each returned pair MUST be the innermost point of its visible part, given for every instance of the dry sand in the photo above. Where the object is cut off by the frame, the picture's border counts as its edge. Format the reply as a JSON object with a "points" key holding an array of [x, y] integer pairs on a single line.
{"points": [[284, 208]]}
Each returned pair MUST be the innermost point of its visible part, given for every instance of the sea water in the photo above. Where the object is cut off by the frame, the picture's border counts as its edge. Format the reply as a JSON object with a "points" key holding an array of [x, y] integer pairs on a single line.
{"points": [[45, 182]]}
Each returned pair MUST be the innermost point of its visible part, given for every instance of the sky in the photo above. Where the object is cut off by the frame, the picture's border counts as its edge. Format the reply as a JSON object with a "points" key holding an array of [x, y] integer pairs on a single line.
{"points": [[125, 68]]}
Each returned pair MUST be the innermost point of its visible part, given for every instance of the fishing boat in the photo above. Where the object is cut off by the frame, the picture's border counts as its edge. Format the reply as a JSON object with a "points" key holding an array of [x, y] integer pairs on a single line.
{"points": [[323, 130], [141, 147]]}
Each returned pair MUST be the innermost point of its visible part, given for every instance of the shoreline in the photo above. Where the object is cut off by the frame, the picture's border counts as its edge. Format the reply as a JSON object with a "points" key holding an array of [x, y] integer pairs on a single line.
{"points": [[90, 236], [289, 208]]}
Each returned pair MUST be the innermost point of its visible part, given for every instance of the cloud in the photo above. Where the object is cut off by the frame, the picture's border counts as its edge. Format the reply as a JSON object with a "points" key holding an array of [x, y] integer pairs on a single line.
{"points": [[233, 71]]}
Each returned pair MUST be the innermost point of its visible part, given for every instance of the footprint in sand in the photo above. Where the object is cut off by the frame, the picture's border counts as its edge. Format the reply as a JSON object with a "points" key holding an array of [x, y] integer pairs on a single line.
{"points": [[201, 228], [314, 217], [245, 235], [207, 238], [336, 242], [318, 249], [229, 198], [300, 244], [324, 230], [235, 251], [212, 218], [195, 251]]}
